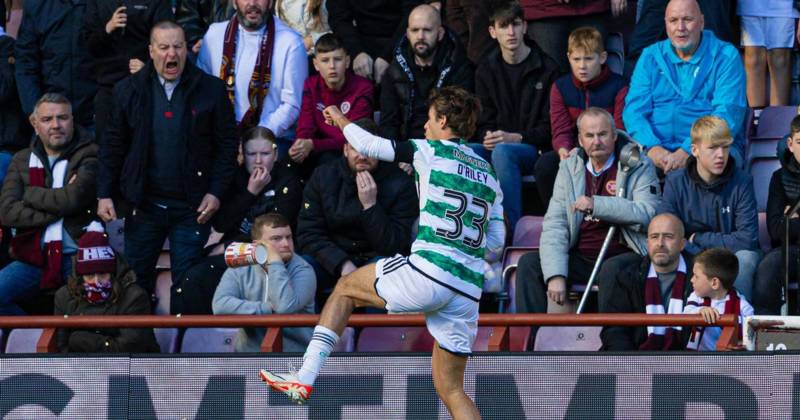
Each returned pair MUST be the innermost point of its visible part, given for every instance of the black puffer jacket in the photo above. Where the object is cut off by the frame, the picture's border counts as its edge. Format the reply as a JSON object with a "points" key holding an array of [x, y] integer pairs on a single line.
{"points": [[209, 158], [111, 52], [404, 108], [51, 56], [333, 227], [239, 208], [132, 300], [15, 132]]}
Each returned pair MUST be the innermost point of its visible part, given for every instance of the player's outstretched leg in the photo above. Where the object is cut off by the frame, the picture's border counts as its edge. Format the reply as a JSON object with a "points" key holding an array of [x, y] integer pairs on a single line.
{"points": [[448, 379], [354, 290]]}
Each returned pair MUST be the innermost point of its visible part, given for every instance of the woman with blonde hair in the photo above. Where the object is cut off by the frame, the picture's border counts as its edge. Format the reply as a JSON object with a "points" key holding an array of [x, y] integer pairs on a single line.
{"points": [[309, 18]]}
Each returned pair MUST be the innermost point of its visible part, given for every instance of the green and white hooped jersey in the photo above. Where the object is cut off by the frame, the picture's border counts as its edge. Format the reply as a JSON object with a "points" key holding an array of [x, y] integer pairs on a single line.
{"points": [[461, 214]]}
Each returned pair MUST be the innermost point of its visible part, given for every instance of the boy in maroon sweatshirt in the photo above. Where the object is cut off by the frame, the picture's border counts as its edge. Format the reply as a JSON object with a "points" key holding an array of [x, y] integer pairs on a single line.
{"points": [[590, 84], [316, 141]]}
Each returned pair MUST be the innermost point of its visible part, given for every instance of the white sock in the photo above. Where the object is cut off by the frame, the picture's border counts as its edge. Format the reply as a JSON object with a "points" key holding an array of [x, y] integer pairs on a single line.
{"points": [[319, 348]]}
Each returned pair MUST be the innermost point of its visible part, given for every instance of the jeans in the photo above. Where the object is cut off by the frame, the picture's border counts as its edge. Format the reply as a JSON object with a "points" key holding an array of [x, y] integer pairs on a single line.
{"points": [[511, 162], [748, 264], [20, 280], [145, 231], [5, 160]]}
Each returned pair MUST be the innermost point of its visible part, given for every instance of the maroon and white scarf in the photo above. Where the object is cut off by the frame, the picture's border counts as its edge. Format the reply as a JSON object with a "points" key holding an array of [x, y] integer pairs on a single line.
{"points": [[259, 81], [660, 337], [732, 306], [26, 244]]}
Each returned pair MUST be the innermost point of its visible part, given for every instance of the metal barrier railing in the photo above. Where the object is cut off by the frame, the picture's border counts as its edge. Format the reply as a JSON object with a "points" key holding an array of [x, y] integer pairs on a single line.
{"points": [[499, 340]]}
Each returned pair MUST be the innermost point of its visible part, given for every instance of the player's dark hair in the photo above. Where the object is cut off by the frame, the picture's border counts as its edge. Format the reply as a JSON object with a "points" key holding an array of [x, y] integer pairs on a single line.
{"points": [[719, 263], [460, 107]]}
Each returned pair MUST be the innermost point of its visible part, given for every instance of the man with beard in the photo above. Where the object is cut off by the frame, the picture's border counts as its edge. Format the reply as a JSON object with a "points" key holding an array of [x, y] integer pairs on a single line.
{"points": [[584, 207], [664, 273], [428, 58], [355, 210], [715, 200], [263, 63], [47, 197], [170, 153]]}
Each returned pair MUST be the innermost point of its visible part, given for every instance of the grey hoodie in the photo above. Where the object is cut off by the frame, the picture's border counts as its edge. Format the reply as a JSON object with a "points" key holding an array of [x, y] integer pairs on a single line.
{"points": [[284, 289]]}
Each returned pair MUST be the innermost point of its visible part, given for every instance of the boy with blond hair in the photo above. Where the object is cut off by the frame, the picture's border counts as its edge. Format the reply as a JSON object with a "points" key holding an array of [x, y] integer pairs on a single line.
{"points": [[591, 84], [713, 275], [715, 200]]}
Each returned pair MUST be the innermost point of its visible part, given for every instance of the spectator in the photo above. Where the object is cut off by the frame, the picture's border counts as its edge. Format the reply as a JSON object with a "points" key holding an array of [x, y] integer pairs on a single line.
{"points": [[467, 18], [284, 285], [171, 159], [370, 29], [784, 191], [718, 17], [715, 270], [428, 58], [263, 185], [513, 84], [355, 210], [196, 16], [309, 18], [117, 38], [15, 133], [51, 56], [263, 64], [551, 21], [679, 80], [715, 200], [583, 208], [334, 85], [768, 33], [591, 84], [47, 197], [658, 283], [102, 285]]}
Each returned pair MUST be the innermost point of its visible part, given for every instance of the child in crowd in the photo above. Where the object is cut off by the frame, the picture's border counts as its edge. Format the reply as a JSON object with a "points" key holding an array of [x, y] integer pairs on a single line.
{"points": [[591, 84], [714, 272], [316, 141]]}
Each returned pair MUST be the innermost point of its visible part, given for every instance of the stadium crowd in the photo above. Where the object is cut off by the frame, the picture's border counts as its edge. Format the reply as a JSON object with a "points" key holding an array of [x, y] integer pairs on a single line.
{"points": [[200, 123]]}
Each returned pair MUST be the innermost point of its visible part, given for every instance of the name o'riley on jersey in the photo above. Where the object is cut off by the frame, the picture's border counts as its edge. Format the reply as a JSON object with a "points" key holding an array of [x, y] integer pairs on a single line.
{"points": [[472, 174]]}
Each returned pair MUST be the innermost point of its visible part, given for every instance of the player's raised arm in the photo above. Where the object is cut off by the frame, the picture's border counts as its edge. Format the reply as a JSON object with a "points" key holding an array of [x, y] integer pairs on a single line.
{"points": [[364, 142]]}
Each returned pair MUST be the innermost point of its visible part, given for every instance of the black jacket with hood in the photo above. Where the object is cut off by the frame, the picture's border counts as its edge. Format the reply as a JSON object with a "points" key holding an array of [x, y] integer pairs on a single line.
{"points": [[404, 108]]}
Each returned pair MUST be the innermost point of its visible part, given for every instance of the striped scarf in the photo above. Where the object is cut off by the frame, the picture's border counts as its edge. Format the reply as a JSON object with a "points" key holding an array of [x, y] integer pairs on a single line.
{"points": [[26, 244], [259, 81], [660, 337], [732, 306]]}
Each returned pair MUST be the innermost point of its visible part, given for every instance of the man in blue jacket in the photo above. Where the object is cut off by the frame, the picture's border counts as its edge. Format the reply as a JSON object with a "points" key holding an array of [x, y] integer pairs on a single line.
{"points": [[678, 80], [715, 200]]}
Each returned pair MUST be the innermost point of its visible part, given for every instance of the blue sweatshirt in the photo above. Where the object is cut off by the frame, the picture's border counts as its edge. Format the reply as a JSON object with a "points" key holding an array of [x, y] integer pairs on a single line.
{"points": [[668, 94]]}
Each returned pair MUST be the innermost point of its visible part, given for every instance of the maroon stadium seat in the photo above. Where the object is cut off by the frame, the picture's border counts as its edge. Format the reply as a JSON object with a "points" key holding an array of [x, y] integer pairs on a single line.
{"points": [[774, 121], [23, 340], [167, 339], [528, 231], [346, 342], [163, 284], [395, 339], [761, 169], [209, 340]]}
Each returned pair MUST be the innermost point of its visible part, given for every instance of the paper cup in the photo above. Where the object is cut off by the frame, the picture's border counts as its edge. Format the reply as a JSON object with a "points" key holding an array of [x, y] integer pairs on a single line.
{"points": [[240, 254]]}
